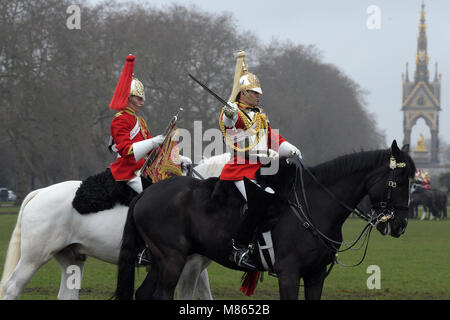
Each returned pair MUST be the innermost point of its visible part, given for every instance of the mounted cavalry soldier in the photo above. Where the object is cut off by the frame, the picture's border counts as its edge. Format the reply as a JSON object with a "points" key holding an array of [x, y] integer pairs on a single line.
{"points": [[131, 142], [130, 136], [247, 132]]}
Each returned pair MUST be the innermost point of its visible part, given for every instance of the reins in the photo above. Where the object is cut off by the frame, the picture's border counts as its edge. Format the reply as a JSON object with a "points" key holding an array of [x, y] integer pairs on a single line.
{"points": [[306, 221]]}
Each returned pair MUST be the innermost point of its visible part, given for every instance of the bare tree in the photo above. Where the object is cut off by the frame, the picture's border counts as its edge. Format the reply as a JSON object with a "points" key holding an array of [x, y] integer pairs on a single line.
{"points": [[56, 84], [314, 104]]}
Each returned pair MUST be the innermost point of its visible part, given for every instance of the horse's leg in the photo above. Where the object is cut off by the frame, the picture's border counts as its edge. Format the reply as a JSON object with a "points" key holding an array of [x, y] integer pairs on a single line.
{"points": [[444, 211], [32, 257], [21, 275], [194, 282], [147, 288], [430, 214], [72, 267], [189, 277], [411, 212], [163, 277], [289, 283], [171, 266], [314, 285], [203, 290]]}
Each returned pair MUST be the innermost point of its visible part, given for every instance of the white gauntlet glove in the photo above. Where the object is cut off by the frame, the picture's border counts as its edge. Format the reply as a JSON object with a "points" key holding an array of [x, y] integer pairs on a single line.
{"points": [[288, 150], [230, 114], [230, 110], [141, 148]]}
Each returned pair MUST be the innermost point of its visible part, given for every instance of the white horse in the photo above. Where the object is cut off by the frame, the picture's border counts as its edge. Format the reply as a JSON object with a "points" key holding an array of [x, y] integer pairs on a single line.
{"points": [[49, 227]]}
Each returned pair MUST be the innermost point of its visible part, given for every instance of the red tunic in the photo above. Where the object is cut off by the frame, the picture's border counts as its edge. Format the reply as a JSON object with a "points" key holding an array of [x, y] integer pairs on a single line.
{"points": [[426, 183], [126, 129], [236, 168]]}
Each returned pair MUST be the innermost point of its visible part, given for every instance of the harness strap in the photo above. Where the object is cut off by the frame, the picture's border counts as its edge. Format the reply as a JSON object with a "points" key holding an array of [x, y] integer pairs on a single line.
{"points": [[303, 220], [196, 172]]}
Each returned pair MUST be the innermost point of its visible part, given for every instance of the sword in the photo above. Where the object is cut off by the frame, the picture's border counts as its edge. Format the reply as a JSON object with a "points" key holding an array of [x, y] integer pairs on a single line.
{"points": [[208, 90], [212, 93]]}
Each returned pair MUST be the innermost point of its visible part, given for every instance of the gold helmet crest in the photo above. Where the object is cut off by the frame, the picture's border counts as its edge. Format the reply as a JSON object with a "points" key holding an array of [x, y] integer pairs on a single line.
{"points": [[243, 80], [137, 88]]}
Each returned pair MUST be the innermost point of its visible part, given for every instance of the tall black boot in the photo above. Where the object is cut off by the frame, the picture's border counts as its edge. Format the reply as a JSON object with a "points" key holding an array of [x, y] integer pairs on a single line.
{"points": [[258, 200], [242, 243]]}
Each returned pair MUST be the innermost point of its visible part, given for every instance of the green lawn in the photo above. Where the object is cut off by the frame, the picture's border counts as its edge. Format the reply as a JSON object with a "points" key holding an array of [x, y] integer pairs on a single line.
{"points": [[8, 207], [414, 266]]}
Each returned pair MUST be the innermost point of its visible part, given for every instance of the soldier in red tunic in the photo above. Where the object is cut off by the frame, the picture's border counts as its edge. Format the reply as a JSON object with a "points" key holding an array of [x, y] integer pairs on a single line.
{"points": [[131, 139], [426, 180], [247, 131], [130, 136]]}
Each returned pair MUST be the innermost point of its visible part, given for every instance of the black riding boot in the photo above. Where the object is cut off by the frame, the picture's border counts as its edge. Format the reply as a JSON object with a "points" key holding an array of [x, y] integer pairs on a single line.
{"points": [[241, 256], [242, 244]]}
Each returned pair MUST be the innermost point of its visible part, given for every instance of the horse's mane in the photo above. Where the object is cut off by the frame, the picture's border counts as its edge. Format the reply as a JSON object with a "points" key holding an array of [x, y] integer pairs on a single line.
{"points": [[345, 165]]}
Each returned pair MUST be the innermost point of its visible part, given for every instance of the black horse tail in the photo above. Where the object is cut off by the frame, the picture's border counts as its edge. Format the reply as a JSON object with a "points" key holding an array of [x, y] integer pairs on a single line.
{"points": [[131, 243]]}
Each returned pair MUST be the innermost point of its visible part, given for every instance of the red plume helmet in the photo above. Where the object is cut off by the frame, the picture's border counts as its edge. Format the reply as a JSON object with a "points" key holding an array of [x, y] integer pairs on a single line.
{"points": [[120, 98]]}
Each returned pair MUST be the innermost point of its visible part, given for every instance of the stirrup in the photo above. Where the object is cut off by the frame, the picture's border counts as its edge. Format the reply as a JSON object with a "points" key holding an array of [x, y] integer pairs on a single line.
{"points": [[241, 257], [142, 258]]}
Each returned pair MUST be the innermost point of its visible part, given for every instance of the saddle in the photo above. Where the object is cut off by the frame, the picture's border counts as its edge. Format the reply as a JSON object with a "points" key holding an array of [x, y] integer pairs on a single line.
{"points": [[101, 192], [257, 227]]}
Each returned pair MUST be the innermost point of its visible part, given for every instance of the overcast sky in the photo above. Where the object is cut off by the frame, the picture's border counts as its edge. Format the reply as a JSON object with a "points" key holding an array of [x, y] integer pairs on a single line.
{"points": [[373, 58]]}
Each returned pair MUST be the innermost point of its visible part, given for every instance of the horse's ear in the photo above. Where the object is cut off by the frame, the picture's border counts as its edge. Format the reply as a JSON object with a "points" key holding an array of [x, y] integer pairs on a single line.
{"points": [[394, 148], [405, 148]]}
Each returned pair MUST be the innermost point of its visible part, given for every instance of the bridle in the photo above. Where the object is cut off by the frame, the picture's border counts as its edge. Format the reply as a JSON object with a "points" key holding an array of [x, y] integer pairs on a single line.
{"points": [[384, 210], [380, 212]]}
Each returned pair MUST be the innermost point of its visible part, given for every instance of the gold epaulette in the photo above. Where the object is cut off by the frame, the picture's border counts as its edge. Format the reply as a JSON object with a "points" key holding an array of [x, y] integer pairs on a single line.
{"points": [[127, 110]]}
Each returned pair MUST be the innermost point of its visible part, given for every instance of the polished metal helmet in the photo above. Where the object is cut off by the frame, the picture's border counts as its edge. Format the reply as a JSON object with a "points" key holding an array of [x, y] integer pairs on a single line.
{"points": [[243, 80], [250, 82], [137, 89]]}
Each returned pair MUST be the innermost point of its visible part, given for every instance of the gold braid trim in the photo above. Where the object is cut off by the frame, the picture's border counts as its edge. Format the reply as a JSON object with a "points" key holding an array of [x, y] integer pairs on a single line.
{"points": [[143, 125], [261, 124]]}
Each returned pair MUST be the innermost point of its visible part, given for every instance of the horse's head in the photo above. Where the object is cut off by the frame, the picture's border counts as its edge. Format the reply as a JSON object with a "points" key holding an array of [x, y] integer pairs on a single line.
{"points": [[417, 188], [389, 189]]}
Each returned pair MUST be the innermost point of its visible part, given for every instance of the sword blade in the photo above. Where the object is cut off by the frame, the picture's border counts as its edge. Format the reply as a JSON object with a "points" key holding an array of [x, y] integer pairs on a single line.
{"points": [[208, 89]]}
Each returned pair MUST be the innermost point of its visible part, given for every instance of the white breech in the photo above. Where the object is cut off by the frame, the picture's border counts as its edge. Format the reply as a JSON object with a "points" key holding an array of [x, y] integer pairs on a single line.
{"points": [[241, 187], [135, 184]]}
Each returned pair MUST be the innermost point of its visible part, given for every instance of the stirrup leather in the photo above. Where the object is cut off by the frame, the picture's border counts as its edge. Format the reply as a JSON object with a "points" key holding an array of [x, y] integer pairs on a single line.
{"points": [[143, 258]]}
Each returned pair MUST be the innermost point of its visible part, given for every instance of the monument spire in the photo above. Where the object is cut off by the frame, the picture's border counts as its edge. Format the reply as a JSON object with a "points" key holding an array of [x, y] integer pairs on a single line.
{"points": [[421, 98], [421, 73]]}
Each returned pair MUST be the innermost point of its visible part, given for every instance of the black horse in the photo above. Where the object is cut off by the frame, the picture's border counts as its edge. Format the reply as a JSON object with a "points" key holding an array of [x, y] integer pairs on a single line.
{"points": [[441, 199], [183, 215], [433, 200], [419, 197]]}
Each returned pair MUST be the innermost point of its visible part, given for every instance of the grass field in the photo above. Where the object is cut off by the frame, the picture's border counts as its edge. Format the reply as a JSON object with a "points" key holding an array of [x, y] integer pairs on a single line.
{"points": [[414, 266]]}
